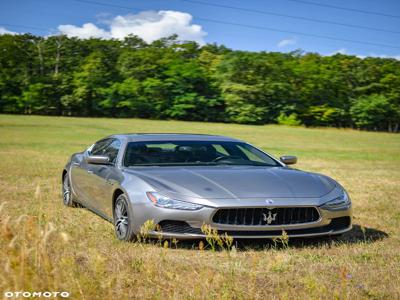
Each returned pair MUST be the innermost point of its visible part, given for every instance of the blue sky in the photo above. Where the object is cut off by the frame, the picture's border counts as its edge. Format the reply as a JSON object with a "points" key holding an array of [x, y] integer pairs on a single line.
{"points": [[46, 16]]}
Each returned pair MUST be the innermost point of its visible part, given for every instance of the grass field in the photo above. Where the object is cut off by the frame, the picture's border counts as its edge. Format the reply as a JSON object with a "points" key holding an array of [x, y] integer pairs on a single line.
{"points": [[45, 246]]}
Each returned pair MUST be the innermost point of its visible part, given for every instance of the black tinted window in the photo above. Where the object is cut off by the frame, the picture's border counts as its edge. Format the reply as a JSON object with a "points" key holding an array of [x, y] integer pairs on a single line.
{"points": [[112, 150], [166, 153], [99, 147], [109, 148]]}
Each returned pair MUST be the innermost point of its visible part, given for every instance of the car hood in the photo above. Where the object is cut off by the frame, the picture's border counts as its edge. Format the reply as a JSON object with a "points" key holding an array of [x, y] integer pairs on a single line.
{"points": [[236, 182]]}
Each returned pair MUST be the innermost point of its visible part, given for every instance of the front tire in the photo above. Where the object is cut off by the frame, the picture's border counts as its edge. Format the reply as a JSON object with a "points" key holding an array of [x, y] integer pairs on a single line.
{"points": [[68, 198], [123, 220]]}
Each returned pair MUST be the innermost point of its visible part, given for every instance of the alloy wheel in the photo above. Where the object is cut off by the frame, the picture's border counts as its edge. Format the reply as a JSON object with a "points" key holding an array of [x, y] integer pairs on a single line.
{"points": [[66, 191], [121, 218]]}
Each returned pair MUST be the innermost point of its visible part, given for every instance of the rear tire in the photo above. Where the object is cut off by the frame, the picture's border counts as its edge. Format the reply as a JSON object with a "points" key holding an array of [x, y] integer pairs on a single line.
{"points": [[68, 198], [123, 220]]}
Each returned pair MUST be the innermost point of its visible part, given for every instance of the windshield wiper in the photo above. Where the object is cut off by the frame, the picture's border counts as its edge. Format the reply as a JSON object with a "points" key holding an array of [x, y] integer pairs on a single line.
{"points": [[175, 164], [246, 163], [261, 164]]}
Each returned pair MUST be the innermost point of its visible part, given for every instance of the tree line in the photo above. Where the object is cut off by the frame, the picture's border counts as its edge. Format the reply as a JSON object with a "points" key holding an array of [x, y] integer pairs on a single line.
{"points": [[170, 79]]}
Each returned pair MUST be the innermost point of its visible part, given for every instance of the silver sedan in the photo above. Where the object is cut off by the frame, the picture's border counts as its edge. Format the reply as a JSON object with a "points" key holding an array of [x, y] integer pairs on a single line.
{"points": [[182, 181]]}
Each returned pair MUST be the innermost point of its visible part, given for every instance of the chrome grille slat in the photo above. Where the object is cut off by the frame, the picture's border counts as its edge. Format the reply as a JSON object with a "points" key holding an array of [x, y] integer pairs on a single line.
{"points": [[254, 216], [305, 214], [298, 215], [235, 217]]}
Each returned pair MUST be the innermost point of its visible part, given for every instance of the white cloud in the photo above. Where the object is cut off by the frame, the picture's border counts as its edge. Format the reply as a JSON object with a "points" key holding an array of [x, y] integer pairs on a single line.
{"points": [[339, 51], [344, 51], [287, 42], [149, 25], [87, 30], [3, 30], [380, 55]]}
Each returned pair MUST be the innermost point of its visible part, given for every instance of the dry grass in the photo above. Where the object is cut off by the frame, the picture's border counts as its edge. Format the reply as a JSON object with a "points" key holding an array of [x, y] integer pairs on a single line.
{"points": [[46, 246]]}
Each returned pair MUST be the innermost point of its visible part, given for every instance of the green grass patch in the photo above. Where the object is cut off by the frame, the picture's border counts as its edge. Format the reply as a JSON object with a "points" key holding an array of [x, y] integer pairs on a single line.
{"points": [[46, 246]]}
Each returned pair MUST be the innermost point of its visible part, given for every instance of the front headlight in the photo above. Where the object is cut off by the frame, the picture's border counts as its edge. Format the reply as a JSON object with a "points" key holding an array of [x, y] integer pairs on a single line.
{"points": [[341, 202], [166, 202]]}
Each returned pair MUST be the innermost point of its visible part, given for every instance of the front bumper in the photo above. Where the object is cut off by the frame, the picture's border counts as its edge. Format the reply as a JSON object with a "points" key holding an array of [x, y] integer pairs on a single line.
{"points": [[252, 235], [186, 225]]}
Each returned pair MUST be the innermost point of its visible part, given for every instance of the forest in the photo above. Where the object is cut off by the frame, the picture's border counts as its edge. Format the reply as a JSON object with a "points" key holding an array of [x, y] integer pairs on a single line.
{"points": [[182, 80]]}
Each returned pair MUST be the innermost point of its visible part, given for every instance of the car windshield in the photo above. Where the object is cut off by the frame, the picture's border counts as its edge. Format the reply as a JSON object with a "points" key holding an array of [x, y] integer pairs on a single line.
{"points": [[192, 153]]}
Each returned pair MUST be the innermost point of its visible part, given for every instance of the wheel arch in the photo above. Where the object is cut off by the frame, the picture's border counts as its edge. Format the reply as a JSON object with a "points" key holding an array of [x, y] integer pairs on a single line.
{"points": [[63, 174], [116, 194]]}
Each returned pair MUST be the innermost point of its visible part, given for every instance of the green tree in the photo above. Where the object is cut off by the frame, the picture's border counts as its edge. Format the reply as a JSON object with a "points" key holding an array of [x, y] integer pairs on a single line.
{"points": [[172, 79], [89, 82], [125, 99], [372, 112]]}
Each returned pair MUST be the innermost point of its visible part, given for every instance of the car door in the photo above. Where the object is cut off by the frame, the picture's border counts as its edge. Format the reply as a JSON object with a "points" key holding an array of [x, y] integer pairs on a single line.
{"points": [[99, 187], [79, 175]]}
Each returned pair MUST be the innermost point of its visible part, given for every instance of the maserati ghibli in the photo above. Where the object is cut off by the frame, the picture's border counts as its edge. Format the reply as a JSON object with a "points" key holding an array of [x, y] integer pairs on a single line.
{"points": [[182, 181]]}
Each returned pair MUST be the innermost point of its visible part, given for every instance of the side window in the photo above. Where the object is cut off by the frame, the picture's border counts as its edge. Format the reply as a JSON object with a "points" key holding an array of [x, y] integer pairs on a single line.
{"points": [[108, 147], [250, 155], [220, 150], [99, 147], [254, 155], [112, 150]]}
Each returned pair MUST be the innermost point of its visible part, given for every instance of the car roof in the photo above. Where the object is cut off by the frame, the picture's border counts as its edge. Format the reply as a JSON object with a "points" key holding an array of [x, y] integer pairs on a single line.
{"points": [[141, 137]]}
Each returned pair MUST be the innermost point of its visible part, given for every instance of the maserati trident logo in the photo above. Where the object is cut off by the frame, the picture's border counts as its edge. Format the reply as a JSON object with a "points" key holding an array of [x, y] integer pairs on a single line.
{"points": [[269, 201], [270, 217]]}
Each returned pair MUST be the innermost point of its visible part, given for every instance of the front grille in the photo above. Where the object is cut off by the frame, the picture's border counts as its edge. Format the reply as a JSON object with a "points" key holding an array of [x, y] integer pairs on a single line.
{"points": [[255, 216]]}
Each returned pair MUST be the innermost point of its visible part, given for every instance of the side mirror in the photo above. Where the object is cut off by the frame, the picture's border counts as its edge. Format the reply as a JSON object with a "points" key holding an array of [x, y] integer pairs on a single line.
{"points": [[98, 160], [288, 159]]}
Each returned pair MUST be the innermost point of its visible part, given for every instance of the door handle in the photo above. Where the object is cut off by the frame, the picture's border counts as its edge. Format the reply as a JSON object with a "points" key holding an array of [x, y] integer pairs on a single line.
{"points": [[75, 164]]}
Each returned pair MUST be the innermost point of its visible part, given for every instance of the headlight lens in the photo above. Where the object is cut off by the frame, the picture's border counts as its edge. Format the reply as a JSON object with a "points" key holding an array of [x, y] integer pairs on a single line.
{"points": [[341, 202], [166, 202]]}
